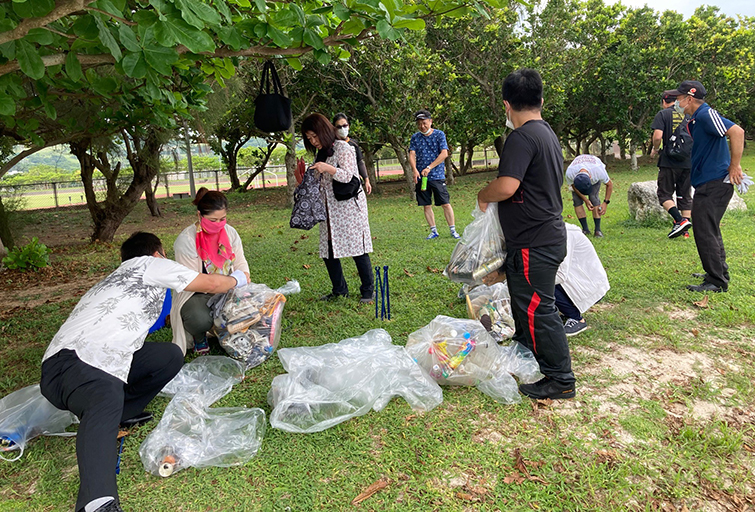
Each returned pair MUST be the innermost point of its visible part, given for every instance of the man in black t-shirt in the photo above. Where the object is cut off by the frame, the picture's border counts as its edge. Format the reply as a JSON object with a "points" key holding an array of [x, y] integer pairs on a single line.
{"points": [[673, 173], [528, 192]]}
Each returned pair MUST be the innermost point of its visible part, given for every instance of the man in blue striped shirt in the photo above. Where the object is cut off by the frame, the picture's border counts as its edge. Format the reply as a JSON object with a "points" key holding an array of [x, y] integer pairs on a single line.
{"points": [[712, 162]]}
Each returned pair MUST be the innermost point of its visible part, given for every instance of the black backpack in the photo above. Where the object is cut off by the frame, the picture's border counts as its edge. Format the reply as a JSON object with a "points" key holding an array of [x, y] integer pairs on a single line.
{"points": [[272, 112], [680, 143]]}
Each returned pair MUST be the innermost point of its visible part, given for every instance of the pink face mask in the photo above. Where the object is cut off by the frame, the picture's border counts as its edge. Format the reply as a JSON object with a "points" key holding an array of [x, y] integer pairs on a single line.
{"points": [[211, 228]]}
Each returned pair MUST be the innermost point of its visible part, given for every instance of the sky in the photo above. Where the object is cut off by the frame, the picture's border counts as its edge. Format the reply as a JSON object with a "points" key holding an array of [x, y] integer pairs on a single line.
{"points": [[687, 8]]}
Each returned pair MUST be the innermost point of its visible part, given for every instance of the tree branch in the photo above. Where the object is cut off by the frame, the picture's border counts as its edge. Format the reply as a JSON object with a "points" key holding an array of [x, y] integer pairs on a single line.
{"points": [[16, 159], [60, 59], [122, 20], [63, 9]]}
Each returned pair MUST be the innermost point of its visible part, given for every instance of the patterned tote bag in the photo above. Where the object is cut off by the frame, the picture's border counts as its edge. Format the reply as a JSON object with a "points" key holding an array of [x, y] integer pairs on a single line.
{"points": [[308, 206]]}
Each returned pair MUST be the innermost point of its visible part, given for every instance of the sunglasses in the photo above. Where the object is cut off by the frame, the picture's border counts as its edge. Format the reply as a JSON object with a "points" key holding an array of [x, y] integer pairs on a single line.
{"points": [[342, 126]]}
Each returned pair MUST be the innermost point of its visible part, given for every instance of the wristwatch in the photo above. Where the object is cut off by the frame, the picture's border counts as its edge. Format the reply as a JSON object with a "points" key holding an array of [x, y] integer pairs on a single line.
{"points": [[606, 201]]}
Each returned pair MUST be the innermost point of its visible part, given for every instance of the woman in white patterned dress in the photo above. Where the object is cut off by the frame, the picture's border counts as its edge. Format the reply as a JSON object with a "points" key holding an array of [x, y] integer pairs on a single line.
{"points": [[346, 231]]}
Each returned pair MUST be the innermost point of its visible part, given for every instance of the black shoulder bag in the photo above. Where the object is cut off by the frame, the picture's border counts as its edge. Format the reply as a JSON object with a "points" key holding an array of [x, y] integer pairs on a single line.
{"points": [[341, 191], [272, 112]]}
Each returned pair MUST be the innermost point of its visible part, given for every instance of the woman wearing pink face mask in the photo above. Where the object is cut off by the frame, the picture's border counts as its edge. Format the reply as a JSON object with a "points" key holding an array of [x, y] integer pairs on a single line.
{"points": [[209, 246]]}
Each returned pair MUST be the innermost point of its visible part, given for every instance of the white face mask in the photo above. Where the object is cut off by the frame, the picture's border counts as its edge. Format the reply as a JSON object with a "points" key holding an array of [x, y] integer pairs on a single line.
{"points": [[343, 132], [509, 124], [426, 132], [678, 108]]}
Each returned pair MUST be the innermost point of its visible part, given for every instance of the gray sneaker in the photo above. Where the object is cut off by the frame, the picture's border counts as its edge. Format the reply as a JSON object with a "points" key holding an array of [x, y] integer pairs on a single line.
{"points": [[573, 327]]}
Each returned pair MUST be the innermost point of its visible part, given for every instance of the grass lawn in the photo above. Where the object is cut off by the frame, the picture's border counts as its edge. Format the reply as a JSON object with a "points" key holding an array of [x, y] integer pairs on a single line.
{"points": [[663, 418]]}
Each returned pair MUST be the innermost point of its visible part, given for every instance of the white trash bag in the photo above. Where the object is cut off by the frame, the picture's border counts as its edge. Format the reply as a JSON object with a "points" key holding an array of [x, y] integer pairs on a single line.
{"points": [[494, 302], [26, 414], [248, 321], [207, 379], [191, 435], [460, 352], [329, 384], [481, 249]]}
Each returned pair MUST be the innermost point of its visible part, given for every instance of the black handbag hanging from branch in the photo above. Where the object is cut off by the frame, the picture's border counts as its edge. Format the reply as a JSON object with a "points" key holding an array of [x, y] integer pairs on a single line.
{"points": [[272, 110]]}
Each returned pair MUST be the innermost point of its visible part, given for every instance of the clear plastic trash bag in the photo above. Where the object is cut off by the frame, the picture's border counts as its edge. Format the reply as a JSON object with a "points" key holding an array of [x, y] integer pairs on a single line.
{"points": [[494, 302], [481, 249], [191, 435], [26, 414], [248, 320], [329, 384], [460, 352], [206, 379]]}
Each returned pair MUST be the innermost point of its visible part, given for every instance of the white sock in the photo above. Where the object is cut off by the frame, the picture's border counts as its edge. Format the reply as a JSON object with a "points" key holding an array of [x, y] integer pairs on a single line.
{"points": [[95, 504]]}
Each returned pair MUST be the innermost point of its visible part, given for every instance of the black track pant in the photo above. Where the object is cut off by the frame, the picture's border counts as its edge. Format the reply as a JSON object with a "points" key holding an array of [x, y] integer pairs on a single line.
{"points": [[335, 272], [531, 275], [708, 208], [101, 402]]}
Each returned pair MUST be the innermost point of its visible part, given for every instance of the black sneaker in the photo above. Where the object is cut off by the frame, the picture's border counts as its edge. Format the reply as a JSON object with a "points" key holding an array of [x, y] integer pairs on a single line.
{"points": [[700, 275], [333, 296], [598, 234], [705, 287], [572, 327], [110, 506], [367, 300], [547, 388], [680, 228]]}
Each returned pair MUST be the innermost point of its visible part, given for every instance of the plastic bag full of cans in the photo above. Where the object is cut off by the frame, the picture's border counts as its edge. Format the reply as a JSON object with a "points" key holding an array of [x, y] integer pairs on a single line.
{"points": [[460, 352], [493, 302], [481, 249], [248, 321]]}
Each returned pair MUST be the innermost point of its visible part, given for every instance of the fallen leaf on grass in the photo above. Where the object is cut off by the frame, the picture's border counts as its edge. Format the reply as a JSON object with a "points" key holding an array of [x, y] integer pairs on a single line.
{"points": [[306, 266], [465, 496], [372, 489], [695, 332], [408, 273], [433, 270], [702, 303], [294, 248], [513, 478]]}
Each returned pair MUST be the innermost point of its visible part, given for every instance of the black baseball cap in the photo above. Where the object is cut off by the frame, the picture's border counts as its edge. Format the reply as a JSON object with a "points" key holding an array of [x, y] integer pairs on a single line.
{"points": [[422, 114], [692, 88], [670, 95]]}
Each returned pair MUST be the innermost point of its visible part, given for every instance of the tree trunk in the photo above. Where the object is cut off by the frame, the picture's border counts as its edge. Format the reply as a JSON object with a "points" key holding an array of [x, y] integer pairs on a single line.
{"points": [[603, 145], [291, 164], [498, 143], [149, 195], [466, 155], [633, 155], [369, 163], [5, 233], [403, 159], [231, 159]]}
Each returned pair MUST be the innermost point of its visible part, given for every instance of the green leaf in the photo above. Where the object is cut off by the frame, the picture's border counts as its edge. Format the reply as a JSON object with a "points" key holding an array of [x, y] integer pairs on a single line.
{"points": [[340, 10], [311, 38], [7, 105], [50, 111], [206, 13], [188, 14], [73, 67], [231, 37], [145, 18], [7, 24], [195, 40], [105, 85], [300, 18], [280, 38], [409, 23], [128, 38], [108, 6], [107, 38], [261, 5], [322, 56], [34, 8], [295, 63], [8, 50], [223, 9], [29, 60], [39, 36], [161, 59], [134, 65], [386, 31], [164, 33], [85, 27], [353, 26]]}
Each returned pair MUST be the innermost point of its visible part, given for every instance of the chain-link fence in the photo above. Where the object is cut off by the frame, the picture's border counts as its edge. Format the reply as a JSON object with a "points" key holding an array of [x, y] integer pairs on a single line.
{"points": [[35, 196]]}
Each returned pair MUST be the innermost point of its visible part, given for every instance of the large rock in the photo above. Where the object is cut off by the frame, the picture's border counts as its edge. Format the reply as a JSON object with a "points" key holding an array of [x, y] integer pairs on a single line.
{"points": [[643, 202]]}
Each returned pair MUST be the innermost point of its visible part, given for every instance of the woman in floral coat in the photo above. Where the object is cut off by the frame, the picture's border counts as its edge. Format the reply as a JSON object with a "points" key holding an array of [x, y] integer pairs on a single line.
{"points": [[346, 230]]}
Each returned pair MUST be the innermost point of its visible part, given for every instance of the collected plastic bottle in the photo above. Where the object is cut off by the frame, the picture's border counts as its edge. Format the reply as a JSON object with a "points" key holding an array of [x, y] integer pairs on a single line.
{"points": [[424, 183]]}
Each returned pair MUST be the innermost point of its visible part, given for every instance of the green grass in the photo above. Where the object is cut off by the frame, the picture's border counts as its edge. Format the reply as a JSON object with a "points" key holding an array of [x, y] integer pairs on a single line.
{"points": [[637, 436]]}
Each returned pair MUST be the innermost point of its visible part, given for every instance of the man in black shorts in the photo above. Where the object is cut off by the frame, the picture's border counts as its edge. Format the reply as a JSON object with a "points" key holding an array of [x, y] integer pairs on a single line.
{"points": [[428, 151], [673, 172], [528, 192]]}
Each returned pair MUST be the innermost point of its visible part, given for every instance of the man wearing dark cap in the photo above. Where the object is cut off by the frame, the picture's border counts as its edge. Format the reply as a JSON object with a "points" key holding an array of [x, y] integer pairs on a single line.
{"points": [[712, 163], [428, 151], [584, 175], [673, 166], [528, 192]]}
